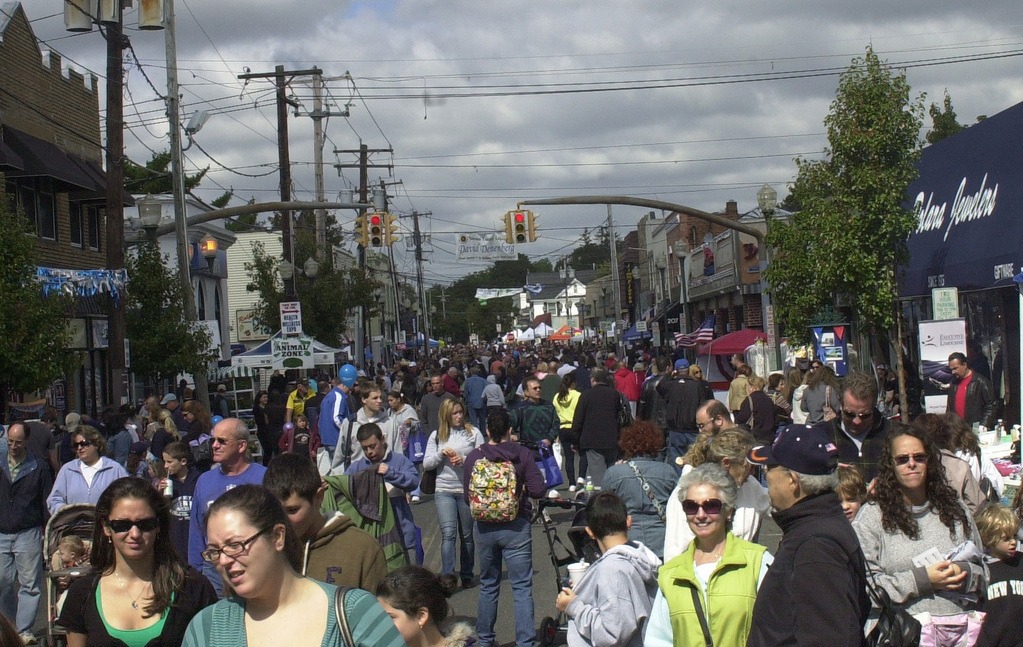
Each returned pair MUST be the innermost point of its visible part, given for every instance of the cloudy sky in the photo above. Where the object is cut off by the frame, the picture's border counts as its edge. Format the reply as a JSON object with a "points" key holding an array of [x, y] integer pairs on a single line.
{"points": [[489, 103]]}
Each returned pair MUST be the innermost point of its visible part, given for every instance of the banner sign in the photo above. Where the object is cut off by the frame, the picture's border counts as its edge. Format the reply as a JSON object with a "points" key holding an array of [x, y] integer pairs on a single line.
{"points": [[248, 328], [483, 247], [938, 340], [830, 347], [291, 318], [292, 352]]}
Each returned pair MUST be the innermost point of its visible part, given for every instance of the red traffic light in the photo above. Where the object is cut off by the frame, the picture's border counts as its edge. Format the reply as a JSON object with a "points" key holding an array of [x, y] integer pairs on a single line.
{"points": [[375, 220], [520, 217]]}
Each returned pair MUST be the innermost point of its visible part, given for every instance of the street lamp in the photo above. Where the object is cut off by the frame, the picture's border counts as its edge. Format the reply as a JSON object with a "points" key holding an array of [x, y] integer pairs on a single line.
{"points": [[567, 275], [767, 200], [680, 250], [150, 212]]}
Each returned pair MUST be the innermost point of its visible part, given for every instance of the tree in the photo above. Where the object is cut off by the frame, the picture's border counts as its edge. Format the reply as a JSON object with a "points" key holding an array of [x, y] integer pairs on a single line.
{"points": [[33, 327], [163, 342], [155, 178], [943, 122], [850, 235]]}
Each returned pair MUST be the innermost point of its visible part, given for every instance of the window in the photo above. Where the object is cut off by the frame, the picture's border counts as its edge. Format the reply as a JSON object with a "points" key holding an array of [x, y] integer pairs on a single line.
{"points": [[34, 196], [77, 230], [94, 215], [200, 301]]}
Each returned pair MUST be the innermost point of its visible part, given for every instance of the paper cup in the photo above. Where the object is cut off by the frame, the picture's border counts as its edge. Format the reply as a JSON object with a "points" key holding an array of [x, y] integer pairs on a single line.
{"points": [[576, 572]]}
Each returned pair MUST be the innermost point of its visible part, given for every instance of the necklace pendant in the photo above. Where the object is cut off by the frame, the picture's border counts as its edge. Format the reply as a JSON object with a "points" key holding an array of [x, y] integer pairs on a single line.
{"points": [[135, 605]]}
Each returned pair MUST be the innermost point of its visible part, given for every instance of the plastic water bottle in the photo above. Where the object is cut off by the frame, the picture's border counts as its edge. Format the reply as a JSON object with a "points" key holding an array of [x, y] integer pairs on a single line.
{"points": [[589, 483], [1000, 427]]}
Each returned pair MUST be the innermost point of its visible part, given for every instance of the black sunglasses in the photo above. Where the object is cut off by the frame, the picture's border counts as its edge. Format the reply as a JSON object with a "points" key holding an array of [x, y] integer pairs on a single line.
{"points": [[148, 524], [903, 459], [84, 443], [710, 506], [852, 415]]}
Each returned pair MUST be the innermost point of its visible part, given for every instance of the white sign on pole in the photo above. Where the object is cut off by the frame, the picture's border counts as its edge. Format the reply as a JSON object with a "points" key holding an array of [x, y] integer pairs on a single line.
{"points": [[945, 303], [483, 247], [640, 326], [291, 318], [292, 352]]}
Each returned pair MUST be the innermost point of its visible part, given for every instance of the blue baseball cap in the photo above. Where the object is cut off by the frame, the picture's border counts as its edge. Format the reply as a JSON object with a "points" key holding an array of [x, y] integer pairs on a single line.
{"points": [[681, 364], [807, 449]]}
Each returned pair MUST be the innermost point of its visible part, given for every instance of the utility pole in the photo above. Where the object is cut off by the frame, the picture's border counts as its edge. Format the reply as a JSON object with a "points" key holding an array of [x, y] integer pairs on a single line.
{"points": [[363, 165], [420, 289], [281, 78], [115, 203], [615, 285]]}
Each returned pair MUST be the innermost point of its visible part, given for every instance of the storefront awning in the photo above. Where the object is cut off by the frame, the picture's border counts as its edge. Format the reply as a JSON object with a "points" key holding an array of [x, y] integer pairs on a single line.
{"points": [[9, 159], [969, 198]]}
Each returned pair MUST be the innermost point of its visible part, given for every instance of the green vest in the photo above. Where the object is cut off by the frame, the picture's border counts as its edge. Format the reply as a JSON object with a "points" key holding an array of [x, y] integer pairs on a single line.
{"points": [[730, 594]]}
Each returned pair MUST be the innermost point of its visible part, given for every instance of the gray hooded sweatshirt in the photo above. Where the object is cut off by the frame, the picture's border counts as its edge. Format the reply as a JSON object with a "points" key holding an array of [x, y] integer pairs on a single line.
{"points": [[614, 598]]}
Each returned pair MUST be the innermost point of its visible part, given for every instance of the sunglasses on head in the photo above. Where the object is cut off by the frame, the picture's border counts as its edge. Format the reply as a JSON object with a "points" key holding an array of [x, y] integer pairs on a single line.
{"points": [[710, 506], [84, 443], [148, 524], [903, 459]]}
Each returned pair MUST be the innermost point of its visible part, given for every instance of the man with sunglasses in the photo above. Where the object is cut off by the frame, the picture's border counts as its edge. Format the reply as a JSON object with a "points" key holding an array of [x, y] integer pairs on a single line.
{"points": [[860, 429], [815, 591], [233, 467], [25, 483]]}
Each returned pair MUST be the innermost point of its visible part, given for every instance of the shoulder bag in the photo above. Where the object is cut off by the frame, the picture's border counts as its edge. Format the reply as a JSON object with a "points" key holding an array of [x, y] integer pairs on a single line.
{"points": [[895, 627], [428, 482], [829, 413], [646, 488], [709, 642], [342, 616]]}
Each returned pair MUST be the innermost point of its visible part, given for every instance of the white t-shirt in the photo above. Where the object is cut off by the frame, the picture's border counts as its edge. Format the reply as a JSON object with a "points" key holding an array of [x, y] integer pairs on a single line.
{"points": [[89, 472]]}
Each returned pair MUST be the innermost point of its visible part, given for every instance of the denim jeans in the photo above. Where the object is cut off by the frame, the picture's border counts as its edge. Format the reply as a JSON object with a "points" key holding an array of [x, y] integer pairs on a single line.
{"points": [[570, 449], [21, 576], [513, 543], [678, 444], [213, 575], [452, 512]]}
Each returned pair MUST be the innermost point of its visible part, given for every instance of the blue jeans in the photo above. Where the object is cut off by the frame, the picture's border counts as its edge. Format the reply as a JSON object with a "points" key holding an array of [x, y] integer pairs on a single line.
{"points": [[452, 511], [213, 575], [478, 417], [678, 445], [513, 543], [21, 576]]}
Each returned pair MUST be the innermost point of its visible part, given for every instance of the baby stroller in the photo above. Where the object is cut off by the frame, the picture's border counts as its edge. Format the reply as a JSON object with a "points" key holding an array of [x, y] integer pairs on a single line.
{"points": [[553, 630], [77, 519]]}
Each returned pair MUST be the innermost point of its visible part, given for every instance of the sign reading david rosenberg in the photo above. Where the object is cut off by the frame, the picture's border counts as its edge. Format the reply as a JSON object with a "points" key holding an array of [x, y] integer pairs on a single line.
{"points": [[483, 247]]}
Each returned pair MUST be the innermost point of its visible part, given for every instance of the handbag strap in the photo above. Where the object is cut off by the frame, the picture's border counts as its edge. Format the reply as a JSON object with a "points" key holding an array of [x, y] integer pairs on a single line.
{"points": [[703, 619], [646, 488], [342, 618]]}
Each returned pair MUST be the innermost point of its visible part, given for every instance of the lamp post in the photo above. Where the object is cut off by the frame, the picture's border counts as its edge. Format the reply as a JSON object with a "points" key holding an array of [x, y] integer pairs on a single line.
{"points": [[680, 250], [150, 212], [767, 200], [567, 275]]}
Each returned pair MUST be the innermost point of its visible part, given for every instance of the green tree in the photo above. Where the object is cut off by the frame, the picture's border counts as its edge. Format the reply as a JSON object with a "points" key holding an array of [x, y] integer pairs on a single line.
{"points": [[163, 342], [943, 121], [33, 327], [155, 178], [850, 235]]}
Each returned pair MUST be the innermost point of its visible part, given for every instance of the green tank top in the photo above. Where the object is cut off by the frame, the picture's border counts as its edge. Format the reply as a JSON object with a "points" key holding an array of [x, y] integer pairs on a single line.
{"points": [[134, 637]]}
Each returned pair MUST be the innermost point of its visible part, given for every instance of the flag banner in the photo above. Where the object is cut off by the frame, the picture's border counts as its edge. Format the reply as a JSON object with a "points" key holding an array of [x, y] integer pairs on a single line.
{"points": [[483, 247], [701, 335]]}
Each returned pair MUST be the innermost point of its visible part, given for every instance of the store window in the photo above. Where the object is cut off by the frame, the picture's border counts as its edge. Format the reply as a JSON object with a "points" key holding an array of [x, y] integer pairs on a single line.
{"points": [[35, 198], [77, 223], [94, 216]]}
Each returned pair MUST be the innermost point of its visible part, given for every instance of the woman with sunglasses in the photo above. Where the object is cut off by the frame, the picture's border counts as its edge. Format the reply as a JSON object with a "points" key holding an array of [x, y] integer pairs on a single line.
{"points": [[84, 479], [723, 570], [140, 592], [254, 548], [912, 524]]}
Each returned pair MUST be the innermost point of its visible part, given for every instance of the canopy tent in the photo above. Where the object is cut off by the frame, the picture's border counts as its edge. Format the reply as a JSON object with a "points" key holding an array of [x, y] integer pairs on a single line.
{"points": [[433, 342], [717, 370], [526, 334], [542, 330], [262, 356], [564, 334], [633, 335]]}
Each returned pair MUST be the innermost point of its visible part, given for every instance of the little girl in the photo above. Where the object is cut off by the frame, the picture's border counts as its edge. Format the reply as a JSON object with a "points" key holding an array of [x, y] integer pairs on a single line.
{"points": [[72, 553], [298, 438]]}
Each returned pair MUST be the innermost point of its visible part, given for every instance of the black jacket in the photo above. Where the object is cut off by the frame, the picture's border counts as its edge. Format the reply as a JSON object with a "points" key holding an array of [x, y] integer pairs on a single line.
{"points": [[980, 400], [1004, 623], [652, 406], [596, 418], [759, 413], [684, 396], [815, 591], [866, 457], [23, 501]]}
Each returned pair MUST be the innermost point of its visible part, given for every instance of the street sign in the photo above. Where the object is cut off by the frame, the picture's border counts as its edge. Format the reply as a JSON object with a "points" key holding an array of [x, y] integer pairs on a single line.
{"points": [[772, 342], [640, 326], [291, 318], [945, 303]]}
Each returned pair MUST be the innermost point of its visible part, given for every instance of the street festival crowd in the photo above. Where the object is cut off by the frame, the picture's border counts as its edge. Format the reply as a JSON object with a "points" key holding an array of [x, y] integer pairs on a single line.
{"points": [[892, 529]]}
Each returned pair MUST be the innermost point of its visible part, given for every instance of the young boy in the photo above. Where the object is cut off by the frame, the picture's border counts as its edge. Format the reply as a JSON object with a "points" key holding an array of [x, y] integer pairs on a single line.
{"points": [[181, 476], [1003, 624], [334, 550], [611, 603], [400, 477], [851, 490]]}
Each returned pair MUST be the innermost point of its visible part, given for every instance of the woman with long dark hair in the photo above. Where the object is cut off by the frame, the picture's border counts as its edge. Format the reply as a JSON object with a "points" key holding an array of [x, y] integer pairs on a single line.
{"points": [[140, 591], [564, 403], [417, 602], [915, 513], [821, 393]]}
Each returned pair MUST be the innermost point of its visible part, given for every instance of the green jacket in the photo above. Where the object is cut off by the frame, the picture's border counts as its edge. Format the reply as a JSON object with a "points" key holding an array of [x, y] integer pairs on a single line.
{"points": [[375, 517], [730, 594]]}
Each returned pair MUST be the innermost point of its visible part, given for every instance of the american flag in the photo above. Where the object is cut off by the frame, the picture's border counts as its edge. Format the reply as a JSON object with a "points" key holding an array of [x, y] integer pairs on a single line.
{"points": [[701, 335]]}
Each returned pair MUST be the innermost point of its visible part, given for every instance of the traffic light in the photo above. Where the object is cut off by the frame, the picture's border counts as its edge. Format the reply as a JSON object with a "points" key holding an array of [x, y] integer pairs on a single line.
{"points": [[390, 229], [361, 236], [375, 224], [509, 230], [519, 226], [531, 226]]}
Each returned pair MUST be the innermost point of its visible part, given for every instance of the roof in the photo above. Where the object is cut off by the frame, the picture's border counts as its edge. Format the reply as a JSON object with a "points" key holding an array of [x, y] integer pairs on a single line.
{"points": [[554, 285]]}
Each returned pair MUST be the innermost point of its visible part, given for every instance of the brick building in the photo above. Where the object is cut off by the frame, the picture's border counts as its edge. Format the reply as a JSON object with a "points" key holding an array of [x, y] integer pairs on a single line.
{"points": [[51, 162]]}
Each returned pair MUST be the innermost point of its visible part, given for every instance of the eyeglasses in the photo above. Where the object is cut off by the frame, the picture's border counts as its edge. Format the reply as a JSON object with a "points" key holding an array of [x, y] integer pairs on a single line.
{"points": [[231, 549], [710, 506], [903, 459], [852, 415], [80, 445], [149, 524], [701, 425], [223, 441]]}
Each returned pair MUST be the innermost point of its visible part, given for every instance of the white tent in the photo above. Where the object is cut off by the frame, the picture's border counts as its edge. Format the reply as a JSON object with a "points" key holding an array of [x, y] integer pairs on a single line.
{"points": [[262, 356], [525, 335], [542, 330]]}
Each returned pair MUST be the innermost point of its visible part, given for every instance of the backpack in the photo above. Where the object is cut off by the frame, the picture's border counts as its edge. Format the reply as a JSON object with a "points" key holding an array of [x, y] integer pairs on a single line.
{"points": [[202, 452], [493, 495]]}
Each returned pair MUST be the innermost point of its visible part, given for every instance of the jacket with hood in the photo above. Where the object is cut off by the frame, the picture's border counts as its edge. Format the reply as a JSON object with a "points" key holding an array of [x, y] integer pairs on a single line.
{"points": [[613, 598], [528, 480], [458, 634], [389, 425], [341, 554], [493, 396], [629, 383]]}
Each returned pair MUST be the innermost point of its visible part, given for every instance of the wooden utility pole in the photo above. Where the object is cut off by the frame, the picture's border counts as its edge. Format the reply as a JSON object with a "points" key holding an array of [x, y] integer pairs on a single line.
{"points": [[115, 205]]}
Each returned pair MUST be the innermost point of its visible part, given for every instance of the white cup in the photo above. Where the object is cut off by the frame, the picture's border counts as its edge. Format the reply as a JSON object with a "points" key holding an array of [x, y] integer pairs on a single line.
{"points": [[576, 572]]}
